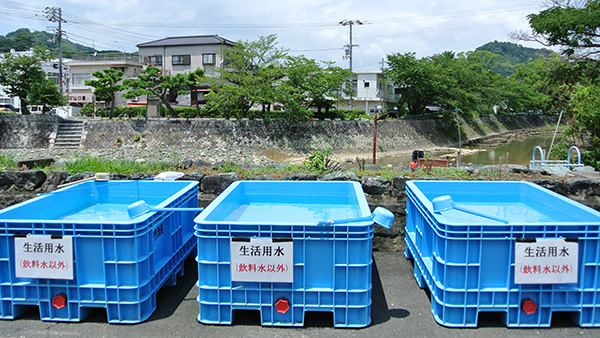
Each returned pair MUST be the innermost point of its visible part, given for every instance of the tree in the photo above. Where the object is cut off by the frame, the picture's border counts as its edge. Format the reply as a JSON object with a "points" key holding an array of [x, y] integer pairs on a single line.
{"points": [[249, 76], [150, 81], [46, 96], [196, 80], [106, 85], [416, 80], [23, 40], [20, 75], [572, 25], [310, 85]]}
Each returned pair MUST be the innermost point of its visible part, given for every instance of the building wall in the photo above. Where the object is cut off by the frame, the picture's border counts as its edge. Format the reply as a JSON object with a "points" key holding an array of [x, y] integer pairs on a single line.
{"points": [[371, 90], [195, 54], [80, 93]]}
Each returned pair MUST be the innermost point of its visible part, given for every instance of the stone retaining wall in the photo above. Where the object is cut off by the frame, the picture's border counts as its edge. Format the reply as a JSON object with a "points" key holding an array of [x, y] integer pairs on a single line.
{"points": [[27, 131], [301, 136], [35, 131]]}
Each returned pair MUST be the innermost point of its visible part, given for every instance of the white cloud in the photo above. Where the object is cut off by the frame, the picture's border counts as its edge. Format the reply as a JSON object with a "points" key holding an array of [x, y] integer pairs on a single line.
{"points": [[391, 26]]}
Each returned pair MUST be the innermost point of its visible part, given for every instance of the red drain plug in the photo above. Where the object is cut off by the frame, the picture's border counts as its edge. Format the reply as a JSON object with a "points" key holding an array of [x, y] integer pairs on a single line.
{"points": [[59, 301], [282, 305], [528, 305]]}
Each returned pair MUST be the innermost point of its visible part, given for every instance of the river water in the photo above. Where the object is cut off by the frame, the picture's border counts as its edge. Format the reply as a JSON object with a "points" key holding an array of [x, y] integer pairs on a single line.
{"points": [[519, 151]]}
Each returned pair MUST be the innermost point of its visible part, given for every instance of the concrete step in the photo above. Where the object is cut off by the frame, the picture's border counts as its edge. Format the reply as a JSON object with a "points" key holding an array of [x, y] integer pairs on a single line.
{"points": [[68, 135]]}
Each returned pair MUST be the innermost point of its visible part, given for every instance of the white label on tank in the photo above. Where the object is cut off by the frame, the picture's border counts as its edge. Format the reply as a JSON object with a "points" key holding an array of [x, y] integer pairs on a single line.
{"points": [[39, 256], [546, 261], [262, 260]]}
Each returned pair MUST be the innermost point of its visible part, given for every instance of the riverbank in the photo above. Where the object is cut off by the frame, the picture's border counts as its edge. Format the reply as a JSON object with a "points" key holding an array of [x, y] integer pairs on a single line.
{"points": [[256, 156]]}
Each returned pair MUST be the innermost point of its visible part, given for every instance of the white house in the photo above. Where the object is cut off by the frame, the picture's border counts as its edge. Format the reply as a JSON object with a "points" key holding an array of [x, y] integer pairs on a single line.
{"points": [[370, 90], [184, 54]]}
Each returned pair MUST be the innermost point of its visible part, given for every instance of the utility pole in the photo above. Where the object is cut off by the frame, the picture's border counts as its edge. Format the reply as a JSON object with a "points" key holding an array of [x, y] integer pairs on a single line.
{"points": [[348, 47], [54, 14]]}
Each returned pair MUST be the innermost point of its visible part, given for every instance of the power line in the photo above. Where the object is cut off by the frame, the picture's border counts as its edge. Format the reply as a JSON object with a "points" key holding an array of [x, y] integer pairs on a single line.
{"points": [[456, 14]]}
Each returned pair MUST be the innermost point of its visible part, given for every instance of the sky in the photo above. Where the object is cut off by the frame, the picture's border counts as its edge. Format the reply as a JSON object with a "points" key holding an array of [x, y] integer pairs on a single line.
{"points": [[308, 27]]}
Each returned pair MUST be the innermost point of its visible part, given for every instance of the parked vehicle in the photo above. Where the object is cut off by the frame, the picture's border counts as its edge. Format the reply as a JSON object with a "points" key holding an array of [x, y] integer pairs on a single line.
{"points": [[8, 107]]}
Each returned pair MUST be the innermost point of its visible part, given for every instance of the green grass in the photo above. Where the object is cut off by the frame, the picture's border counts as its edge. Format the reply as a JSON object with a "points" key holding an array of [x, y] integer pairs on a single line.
{"points": [[95, 164], [7, 162]]}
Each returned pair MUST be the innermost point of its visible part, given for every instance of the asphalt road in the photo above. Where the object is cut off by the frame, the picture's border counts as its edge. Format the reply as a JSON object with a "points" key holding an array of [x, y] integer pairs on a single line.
{"points": [[400, 309]]}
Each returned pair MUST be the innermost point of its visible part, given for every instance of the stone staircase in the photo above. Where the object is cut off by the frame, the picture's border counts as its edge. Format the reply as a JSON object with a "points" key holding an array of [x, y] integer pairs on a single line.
{"points": [[68, 135]]}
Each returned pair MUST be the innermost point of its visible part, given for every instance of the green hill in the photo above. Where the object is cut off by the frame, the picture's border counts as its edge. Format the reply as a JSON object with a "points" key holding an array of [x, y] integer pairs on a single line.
{"points": [[513, 54], [23, 39]]}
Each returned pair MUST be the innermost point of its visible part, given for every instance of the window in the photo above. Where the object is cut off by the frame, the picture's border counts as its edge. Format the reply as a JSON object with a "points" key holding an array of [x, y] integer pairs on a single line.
{"points": [[367, 84], [79, 79], [180, 60], [208, 59], [155, 60]]}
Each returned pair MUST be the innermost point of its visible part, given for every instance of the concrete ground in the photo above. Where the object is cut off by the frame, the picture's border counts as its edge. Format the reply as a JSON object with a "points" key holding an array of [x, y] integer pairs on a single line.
{"points": [[400, 309]]}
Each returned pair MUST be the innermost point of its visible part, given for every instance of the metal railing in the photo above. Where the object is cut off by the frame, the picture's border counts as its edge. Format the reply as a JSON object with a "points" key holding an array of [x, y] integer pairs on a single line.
{"points": [[542, 162], [106, 57]]}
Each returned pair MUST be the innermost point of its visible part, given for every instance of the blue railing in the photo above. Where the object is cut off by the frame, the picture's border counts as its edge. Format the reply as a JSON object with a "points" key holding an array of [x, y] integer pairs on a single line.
{"points": [[542, 162]]}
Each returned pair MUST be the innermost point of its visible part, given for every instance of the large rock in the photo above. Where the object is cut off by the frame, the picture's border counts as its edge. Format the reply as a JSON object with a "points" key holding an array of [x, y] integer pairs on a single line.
{"points": [[341, 176], [216, 184], [7, 179], [194, 176], [29, 180], [261, 178], [375, 185], [585, 191], [399, 185], [556, 171], [558, 186], [300, 177], [79, 177], [53, 179]]}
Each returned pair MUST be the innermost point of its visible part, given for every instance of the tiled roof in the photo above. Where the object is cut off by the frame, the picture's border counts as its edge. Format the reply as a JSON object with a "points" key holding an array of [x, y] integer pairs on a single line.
{"points": [[187, 41]]}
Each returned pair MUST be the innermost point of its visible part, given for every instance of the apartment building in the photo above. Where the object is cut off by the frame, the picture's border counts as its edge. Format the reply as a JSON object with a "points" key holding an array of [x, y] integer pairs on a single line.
{"points": [[81, 68]]}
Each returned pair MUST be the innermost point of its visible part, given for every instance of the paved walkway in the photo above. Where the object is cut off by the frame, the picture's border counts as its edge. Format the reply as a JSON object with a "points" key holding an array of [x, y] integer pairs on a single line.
{"points": [[400, 309]]}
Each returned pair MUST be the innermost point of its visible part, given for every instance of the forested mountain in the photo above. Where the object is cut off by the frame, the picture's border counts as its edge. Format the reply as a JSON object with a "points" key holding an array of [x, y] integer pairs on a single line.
{"points": [[22, 39], [512, 54]]}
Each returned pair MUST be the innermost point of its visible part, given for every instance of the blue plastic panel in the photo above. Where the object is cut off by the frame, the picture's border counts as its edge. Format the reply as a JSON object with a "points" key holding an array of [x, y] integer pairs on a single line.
{"points": [[119, 263], [467, 261], [332, 264]]}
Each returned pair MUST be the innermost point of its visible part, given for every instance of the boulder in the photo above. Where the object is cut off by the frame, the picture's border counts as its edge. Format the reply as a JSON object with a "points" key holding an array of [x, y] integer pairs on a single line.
{"points": [[29, 180], [216, 184], [300, 177], [261, 178], [193, 176], [375, 185], [341, 176], [53, 179]]}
